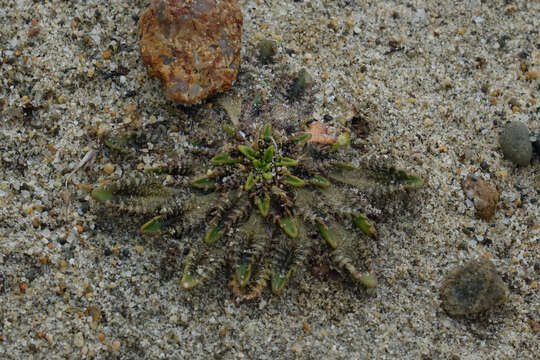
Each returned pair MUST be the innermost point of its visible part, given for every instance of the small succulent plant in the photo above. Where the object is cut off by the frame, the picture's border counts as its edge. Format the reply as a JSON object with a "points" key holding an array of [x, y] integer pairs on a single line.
{"points": [[260, 201]]}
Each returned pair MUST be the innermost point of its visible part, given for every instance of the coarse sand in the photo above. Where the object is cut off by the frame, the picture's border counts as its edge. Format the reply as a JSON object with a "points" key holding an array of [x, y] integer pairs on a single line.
{"points": [[436, 79]]}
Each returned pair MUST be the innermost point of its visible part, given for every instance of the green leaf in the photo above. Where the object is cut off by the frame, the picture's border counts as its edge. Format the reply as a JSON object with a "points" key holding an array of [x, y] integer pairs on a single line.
{"points": [[213, 234], [243, 274], [288, 226], [267, 132], [409, 179], [263, 204], [223, 159], [279, 281], [267, 175], [189, 281], [250, 182], [258, 99], [327, 234], [268, 154], [152, 227], [343, 165], [292, 180], [343, 139], [247, 152], [258, 164], [117, 143], [204, 183], [286, 162], [319, 181], [361, 222], [230, 130], [367, 280], [102, 194], [302, 138]]}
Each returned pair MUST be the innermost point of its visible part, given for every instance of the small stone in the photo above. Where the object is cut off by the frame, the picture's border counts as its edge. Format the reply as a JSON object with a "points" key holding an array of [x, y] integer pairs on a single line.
{"points": [[78, 340], [267, 51], [483, 194], [192, 46], [472, 288], [536, 143], [515, 143], [301, 82], [108, 168], [116, 345], [532, 74]]}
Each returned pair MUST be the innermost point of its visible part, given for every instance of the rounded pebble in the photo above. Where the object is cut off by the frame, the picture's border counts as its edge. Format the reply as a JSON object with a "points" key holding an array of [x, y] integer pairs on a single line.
{"points": [[515, 143], [472, 288], [108, 168], [193, 46], [483, 194]]}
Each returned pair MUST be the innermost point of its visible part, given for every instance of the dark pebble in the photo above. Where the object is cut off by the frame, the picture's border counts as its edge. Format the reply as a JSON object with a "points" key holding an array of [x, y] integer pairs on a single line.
{"points": [[472, 288], [515, 143], [267, 51], [536, 143]]}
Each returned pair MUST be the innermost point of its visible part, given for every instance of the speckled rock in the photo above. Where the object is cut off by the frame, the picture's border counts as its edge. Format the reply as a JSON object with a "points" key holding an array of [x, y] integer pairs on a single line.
{"points": [[472, 288], [192, 46], [483, 194], [515, 143]]}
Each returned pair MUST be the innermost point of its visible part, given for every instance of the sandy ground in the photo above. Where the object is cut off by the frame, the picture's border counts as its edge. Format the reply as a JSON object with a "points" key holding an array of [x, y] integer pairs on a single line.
{"points": [[439, 80]]}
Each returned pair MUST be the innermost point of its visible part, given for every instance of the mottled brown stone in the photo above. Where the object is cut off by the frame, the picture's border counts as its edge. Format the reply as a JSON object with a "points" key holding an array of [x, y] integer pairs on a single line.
{"points": [[192, 46], [484, 196]]}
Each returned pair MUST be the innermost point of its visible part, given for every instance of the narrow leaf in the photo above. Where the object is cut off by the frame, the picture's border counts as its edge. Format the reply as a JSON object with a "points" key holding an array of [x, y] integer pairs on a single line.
{"points": [[152, 227], [327, 234], [343, 165], [279, 281], [247, 152], [267, 132], [223, 159], [189, 281], [213, 234], [361, 222], [268, 154], [230, 130], [204, 183], [319, 181], [250, 182], [343, 140], [288, 226], [302, 138], [267, 175], [243, 274], [292, 180], [102, 194], [287, 162], [263, 204], [409, 179]]}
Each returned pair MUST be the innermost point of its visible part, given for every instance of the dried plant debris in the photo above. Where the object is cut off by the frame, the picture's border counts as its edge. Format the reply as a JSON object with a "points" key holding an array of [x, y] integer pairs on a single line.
{"points": [[472, 288], [259, 200]]}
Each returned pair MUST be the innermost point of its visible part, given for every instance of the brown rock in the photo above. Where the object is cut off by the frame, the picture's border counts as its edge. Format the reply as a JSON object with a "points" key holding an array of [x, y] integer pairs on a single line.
{"points": [[483, 194], [192, 46]]}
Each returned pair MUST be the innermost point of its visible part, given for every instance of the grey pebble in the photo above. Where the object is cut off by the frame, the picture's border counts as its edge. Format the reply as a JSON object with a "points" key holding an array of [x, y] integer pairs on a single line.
{"points": [[515, 143], [472, 288], [536, 143]]}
